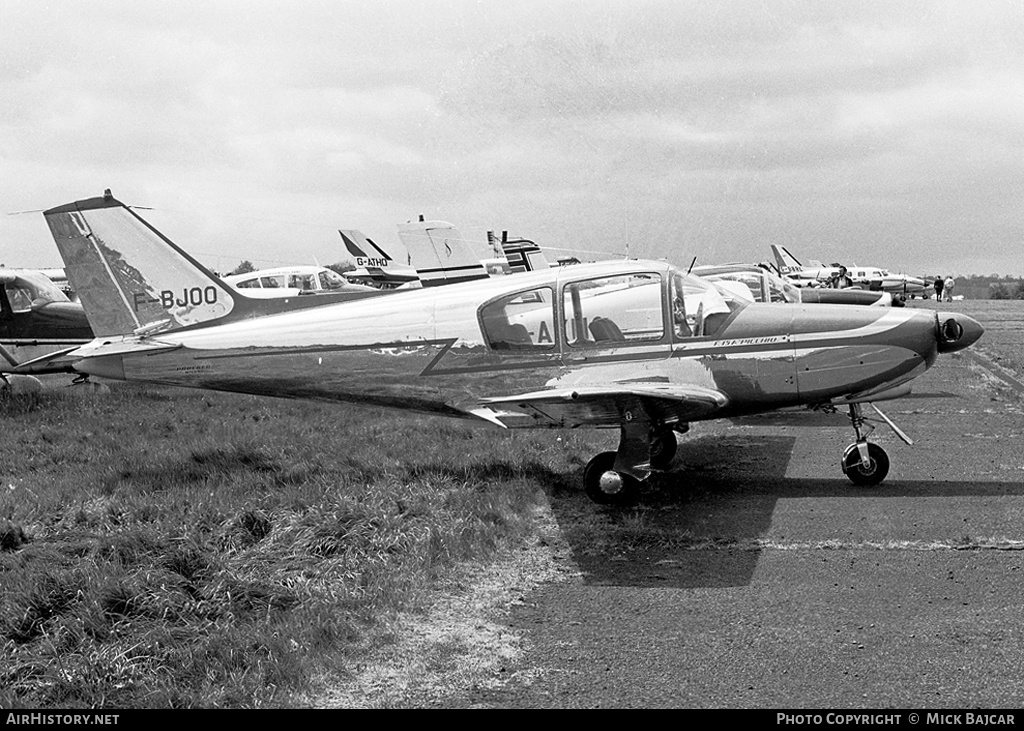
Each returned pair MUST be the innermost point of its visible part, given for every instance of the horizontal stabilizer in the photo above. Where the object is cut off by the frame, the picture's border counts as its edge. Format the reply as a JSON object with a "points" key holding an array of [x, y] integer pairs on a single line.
{"points": [[124, 346], [55, 362]]}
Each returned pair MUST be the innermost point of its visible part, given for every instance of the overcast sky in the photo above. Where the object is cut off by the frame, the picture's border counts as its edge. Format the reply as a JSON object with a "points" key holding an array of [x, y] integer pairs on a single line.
{"points": [[887, 133]]}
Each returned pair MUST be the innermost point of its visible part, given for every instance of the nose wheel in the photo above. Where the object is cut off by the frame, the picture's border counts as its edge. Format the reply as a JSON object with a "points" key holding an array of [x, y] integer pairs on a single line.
{"points": [[865, 464]]}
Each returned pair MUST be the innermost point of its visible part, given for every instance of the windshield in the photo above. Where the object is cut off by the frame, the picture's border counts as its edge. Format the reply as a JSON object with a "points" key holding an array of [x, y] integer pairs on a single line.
{"points": [[781, 290], [753, 285], [698, 308], [331, 280], [29, 288]]}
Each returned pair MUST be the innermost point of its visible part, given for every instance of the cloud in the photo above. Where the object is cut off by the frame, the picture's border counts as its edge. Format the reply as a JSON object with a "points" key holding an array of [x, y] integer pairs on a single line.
{"points": [[260, 128]]}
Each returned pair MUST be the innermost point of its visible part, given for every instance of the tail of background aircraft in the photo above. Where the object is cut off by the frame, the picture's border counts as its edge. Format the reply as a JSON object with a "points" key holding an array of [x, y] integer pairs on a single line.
{"points": [[522, 255], [376, 264], [363, 250], [440, 254], [785, 261]]}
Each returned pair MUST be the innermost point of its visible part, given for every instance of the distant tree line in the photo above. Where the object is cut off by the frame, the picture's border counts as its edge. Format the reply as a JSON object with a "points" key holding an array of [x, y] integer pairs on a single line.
{"points": [[247, 266], [990, 286]]}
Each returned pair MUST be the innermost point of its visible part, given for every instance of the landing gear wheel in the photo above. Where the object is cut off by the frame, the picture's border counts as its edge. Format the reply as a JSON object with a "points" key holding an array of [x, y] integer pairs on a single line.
{"points": [[868, 474], [605, 486], [663, 450]]}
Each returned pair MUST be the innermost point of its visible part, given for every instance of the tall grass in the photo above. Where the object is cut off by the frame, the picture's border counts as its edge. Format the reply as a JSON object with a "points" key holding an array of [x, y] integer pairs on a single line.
{"points": [[172, 548]]}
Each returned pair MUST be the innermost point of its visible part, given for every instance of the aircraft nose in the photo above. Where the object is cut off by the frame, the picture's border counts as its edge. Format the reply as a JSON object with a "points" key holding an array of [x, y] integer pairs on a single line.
{"points": [[956, 332]]}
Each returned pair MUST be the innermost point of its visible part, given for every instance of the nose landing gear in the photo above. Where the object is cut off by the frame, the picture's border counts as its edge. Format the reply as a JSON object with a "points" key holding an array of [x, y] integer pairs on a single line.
{"points": [[867, 464]]}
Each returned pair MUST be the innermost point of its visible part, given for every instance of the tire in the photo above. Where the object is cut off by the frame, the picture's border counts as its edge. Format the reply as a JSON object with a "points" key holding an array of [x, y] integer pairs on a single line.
{"points": [[663, 450], [595, 470], [870, 474]]}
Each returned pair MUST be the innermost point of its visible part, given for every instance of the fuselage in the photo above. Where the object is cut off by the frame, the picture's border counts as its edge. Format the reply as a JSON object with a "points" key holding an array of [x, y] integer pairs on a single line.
{"points": [[869, 278], [36, 318], [435, 350]]}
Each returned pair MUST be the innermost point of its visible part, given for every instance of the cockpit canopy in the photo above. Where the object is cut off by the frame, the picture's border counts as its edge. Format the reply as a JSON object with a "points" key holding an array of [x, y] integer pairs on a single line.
{"points": [[25, 289], [758, 284], [607, 309], [303, 278]]}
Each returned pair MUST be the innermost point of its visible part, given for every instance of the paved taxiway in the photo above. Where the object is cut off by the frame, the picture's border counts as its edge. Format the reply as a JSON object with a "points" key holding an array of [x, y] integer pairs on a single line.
{"points": [[756, 575]]}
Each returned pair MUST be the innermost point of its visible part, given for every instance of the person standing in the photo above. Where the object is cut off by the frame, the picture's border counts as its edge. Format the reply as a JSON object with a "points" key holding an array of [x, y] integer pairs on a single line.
{"points": [[840, 280], [939, 284], [948, 287]]}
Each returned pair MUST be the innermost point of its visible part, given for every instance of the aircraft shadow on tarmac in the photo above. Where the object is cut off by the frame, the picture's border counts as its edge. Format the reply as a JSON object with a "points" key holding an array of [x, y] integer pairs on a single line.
{"points": [[699, 525]]}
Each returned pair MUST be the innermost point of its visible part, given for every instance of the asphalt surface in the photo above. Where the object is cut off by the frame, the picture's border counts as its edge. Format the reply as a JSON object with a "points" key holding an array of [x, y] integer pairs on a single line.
{"points": [[755, 575]]}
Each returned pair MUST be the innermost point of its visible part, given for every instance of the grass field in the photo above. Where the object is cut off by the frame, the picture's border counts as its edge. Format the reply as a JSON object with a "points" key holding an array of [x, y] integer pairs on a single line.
{"points": [[175, 548]]}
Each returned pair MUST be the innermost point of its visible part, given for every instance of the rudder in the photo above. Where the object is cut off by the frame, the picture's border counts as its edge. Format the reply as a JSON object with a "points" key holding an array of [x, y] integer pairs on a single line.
{"points": [[129, 277], [440, 254]]}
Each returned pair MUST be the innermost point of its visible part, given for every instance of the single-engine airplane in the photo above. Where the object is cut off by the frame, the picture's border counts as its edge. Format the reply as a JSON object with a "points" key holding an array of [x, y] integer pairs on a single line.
{"points": [[815, 274], [639, 346]]}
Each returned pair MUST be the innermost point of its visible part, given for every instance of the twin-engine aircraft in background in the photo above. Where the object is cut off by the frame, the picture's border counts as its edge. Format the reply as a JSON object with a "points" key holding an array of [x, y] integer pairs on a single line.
{"points": [[760, 285], [438, 254], [815, 274], [291, 281], [38, 324], [638, 346]]}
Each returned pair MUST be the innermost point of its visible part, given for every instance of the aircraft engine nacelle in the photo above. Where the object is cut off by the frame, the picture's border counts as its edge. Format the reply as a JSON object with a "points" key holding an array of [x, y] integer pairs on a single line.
{"points": [[956, 332]]}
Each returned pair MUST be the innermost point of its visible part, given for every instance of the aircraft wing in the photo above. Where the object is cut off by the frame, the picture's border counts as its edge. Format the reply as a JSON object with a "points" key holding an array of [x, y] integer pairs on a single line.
{"points": [[607, 405]]}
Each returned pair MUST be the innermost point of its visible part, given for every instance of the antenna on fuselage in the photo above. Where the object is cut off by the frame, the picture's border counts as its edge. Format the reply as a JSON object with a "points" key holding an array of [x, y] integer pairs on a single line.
{"points": [[691, 265]]}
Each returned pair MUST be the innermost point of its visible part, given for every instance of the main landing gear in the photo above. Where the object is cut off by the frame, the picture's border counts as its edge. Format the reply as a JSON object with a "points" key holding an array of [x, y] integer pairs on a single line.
{"points": [[614, 478], [867, 464]]}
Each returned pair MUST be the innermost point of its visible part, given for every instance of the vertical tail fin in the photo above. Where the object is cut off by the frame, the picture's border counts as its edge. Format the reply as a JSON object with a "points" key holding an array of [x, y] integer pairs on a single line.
{"points": [[362, 248], [523, 255], [784, 260], [440, 254], [374, 263], [130, 278]]}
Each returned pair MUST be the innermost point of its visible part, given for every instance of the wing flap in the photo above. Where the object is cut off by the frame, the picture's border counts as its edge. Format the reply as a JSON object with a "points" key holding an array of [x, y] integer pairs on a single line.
{"points": [[606, 405]]}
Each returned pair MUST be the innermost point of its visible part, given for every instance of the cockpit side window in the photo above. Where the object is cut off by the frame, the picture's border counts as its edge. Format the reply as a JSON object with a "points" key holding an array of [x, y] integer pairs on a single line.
{"points": [[698, 309], [20, 298], [331, 280], [302, 281], [614, 310], [685, 303], [520, 321]]}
